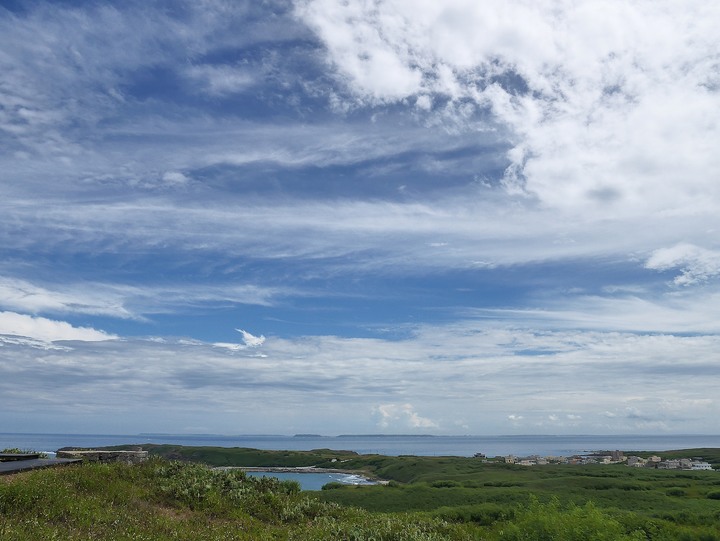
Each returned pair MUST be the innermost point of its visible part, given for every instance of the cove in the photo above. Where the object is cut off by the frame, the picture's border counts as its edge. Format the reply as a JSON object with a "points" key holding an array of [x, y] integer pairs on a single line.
{"points": [[314, 480]]}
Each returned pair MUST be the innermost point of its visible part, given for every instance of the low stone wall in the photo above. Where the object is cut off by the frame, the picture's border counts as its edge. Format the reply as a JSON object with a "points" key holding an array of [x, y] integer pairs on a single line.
{"points": [[128, 457]]}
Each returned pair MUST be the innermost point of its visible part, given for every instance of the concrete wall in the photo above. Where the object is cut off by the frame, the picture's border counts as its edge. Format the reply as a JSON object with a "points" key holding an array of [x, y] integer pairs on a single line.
{"points": [[128, 457]]}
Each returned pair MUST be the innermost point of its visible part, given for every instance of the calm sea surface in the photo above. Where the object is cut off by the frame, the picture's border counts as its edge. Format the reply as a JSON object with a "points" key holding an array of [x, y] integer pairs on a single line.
{"points": [[385, 445]]}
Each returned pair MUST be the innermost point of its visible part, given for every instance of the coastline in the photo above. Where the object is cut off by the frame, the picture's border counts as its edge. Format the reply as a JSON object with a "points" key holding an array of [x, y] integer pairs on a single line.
{"points": [[305, 469], [386, 445]]}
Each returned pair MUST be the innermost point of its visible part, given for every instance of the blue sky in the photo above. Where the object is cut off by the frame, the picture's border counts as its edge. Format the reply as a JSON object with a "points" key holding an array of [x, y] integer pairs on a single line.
{"points": [[368, 217]]}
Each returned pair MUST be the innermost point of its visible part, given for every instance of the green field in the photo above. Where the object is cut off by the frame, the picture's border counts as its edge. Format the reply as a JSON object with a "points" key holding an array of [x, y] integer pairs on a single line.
{"points": [[174, 496]]}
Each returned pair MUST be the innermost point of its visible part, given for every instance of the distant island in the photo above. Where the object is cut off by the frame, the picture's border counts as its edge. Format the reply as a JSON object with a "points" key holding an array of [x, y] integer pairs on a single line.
{"points": [[356, 436]]}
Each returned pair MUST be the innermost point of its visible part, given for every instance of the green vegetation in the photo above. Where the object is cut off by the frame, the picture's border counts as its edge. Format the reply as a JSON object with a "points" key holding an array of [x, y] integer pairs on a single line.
{"points": [[428, 498], [16, 451], [239, 456], [161, 500]]}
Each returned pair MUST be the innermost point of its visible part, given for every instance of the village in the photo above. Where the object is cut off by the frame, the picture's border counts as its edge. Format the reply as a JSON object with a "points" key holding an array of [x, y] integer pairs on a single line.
{"points": [[609, 457]]}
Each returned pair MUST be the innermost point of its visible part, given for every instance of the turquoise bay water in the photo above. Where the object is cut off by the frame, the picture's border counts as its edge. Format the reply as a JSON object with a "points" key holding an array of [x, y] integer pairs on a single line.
{"points": [[314, 481]]}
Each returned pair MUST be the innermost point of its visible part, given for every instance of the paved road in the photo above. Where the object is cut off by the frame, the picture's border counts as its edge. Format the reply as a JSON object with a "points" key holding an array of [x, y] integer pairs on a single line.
{"points": [[33, 464]]}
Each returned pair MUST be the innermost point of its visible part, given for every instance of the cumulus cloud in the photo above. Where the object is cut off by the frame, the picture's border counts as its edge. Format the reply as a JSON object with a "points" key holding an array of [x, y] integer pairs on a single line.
{"points": [[402, 415], [608, 104]]}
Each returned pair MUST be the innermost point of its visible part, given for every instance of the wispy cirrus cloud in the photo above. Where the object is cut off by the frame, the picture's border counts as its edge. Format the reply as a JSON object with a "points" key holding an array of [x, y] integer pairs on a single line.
{"points": [[315, 382], [674, 312], [128, 302], [25, 296]]}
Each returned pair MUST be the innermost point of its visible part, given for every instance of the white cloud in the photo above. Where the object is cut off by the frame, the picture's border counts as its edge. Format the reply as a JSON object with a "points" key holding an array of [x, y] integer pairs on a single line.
{"points": [[124, 301], [175, 178], [250, 340], [229, 345], [221, 80], [611, 105], [677, 312], [462, 50], [26, 296], [341, 385], [402, 415], [609, 110], [47, 330], [697, 264], [472, 231]]}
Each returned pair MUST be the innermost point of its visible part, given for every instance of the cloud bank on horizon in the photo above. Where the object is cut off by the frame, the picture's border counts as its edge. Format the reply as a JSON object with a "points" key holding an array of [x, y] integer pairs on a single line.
{"points": [[457, 217]]}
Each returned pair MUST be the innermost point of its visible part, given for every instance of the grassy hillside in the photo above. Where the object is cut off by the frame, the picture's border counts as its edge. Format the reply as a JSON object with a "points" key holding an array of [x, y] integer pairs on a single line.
{"points": [[427, 498], [241, 456], [161, 500]]}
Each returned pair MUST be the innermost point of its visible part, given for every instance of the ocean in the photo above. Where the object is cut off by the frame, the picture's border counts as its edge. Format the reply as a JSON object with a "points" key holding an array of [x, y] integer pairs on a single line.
{"points": [[393, 445]]}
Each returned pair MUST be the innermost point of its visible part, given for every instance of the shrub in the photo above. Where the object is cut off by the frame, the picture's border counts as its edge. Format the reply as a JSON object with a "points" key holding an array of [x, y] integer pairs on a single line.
{"points": [[17, 451], [445, 484], [484, 514], [333, 485], [550, 522]]}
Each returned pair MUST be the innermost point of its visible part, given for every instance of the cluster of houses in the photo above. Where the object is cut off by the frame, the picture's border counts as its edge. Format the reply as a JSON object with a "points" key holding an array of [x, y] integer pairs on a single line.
{"points": [[675, 464], [613, 457]]}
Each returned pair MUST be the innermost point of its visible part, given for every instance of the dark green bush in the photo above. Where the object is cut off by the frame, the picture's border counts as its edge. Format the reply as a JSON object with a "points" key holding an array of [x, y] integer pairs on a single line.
{"points": [[483, 514], [445, 484], [334, 485]]}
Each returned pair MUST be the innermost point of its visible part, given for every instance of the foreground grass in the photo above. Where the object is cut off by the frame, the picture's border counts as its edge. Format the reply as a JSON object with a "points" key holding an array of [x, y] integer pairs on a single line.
{"points": [[162, 500]]}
